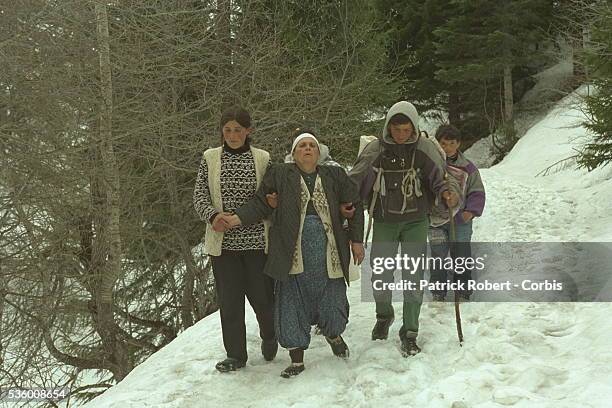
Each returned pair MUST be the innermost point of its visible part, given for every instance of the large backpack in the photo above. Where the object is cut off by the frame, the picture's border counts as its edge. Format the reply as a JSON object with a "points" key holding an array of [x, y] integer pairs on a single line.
{"points": [[393, 181], [397, 184]]}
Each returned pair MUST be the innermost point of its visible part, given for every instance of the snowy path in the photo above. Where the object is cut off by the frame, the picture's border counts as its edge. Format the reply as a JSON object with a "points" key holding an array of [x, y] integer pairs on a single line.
{"points": [[525, 211], [515, 354]]}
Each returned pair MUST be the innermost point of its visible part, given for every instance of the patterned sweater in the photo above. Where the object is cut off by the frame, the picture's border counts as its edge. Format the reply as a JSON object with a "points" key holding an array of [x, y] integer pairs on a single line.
{"points": [[474, 201], [238, 185]]}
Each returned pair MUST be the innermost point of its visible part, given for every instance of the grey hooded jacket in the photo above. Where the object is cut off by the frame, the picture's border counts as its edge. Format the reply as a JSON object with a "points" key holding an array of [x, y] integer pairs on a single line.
{"points": [[429, 165]]}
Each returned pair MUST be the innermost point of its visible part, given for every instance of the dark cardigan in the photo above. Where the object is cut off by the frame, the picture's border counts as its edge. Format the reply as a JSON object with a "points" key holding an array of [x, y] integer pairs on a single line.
{"points": [[283, 234]]}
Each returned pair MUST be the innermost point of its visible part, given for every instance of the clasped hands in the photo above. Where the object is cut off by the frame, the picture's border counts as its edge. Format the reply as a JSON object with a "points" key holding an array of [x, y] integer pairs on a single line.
{"points": [[224, 221]]}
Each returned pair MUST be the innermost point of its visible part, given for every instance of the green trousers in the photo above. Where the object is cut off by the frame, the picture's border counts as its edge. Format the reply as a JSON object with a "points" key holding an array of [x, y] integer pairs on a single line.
{"points": [[385, 242]]}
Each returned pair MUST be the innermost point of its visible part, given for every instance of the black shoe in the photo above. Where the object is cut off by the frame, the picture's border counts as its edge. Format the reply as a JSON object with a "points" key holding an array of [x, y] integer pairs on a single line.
{"points": [[338, 346], [229, 364], [292, 370], [438, 298], [269, 349], [409, 347], [381, 328]]}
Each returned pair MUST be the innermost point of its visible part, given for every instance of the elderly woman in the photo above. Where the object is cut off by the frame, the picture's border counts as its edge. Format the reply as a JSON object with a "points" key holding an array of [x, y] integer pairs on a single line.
{"points": [[308, 248]]}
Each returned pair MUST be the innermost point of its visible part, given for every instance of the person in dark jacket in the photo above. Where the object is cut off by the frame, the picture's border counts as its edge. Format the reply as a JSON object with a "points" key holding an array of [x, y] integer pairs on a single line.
{"points": [[309, 250], [228, 177], [403, 175]]}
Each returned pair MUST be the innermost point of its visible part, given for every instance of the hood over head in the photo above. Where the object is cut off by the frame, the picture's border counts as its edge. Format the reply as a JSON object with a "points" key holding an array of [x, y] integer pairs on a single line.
{"points": [[407, 109]]}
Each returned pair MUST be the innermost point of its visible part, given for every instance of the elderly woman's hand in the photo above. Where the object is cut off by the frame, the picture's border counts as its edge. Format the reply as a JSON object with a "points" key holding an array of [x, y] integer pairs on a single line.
{"points": [[272, 200], [347, 210], [358, 252]]}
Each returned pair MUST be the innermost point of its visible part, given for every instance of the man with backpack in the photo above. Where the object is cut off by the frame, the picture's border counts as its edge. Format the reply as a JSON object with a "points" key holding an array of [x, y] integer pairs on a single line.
{"points": [[400, 176]]}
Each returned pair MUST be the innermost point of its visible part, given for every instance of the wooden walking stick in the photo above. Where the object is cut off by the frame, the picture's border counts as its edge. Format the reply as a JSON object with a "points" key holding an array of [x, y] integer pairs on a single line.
{"points": [[457, 312]]}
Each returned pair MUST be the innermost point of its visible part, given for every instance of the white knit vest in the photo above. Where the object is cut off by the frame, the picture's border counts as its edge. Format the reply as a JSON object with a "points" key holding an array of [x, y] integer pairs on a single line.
{"points": [[213, 239]]}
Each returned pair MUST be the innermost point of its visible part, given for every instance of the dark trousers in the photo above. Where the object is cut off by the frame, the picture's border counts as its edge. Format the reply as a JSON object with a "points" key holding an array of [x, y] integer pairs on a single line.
{"points": [[239, 274]]}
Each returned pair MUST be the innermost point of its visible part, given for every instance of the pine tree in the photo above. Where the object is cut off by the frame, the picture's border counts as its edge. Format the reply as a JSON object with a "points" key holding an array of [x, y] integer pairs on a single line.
{"points": [[480, 47], [410, 25], [326, 72], [599, 104]]}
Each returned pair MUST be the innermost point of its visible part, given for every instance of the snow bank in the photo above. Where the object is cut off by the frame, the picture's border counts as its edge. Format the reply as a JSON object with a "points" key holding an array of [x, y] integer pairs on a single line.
{"points": [[515, 354]]}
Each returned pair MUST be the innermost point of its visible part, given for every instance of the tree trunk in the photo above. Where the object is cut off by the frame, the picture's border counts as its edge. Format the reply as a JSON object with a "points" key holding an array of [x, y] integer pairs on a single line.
{"points": [[206, 300], [223, 30], [105, 321], [2, 295], [453, 108], [577, 66], [586, 37], [508, 102], [187, 303]]}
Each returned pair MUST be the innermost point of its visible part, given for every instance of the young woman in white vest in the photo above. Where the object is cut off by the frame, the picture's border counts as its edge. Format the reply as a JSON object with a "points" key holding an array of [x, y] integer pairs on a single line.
{"points": [[228, 177]]}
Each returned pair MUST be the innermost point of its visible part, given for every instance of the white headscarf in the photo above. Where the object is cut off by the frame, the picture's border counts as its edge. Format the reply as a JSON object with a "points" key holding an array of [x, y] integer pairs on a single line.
{"points": [[303, 136]]}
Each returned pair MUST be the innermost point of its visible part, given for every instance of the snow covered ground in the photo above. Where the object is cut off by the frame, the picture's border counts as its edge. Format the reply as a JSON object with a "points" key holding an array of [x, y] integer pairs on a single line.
{"points": [[515, 354]]}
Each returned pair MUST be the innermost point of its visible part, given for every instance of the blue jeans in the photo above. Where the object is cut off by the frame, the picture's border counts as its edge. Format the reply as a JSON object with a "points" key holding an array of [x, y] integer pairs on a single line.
{"points": [[440, 245]]}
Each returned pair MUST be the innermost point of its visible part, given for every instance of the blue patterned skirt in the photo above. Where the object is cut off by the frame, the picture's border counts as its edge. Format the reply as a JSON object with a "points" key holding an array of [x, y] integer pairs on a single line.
{"points": [[310, 297]]}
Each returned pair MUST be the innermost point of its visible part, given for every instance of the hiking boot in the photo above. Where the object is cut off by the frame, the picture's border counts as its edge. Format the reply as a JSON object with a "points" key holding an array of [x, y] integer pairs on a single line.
{"points": [[269, 349], [409, 346], [338, 346], [292, 370], [229, 364], [381, 328]]}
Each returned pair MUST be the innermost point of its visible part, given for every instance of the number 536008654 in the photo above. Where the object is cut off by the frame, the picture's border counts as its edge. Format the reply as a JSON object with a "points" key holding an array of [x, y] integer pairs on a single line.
{"points": [[32, 394]]}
